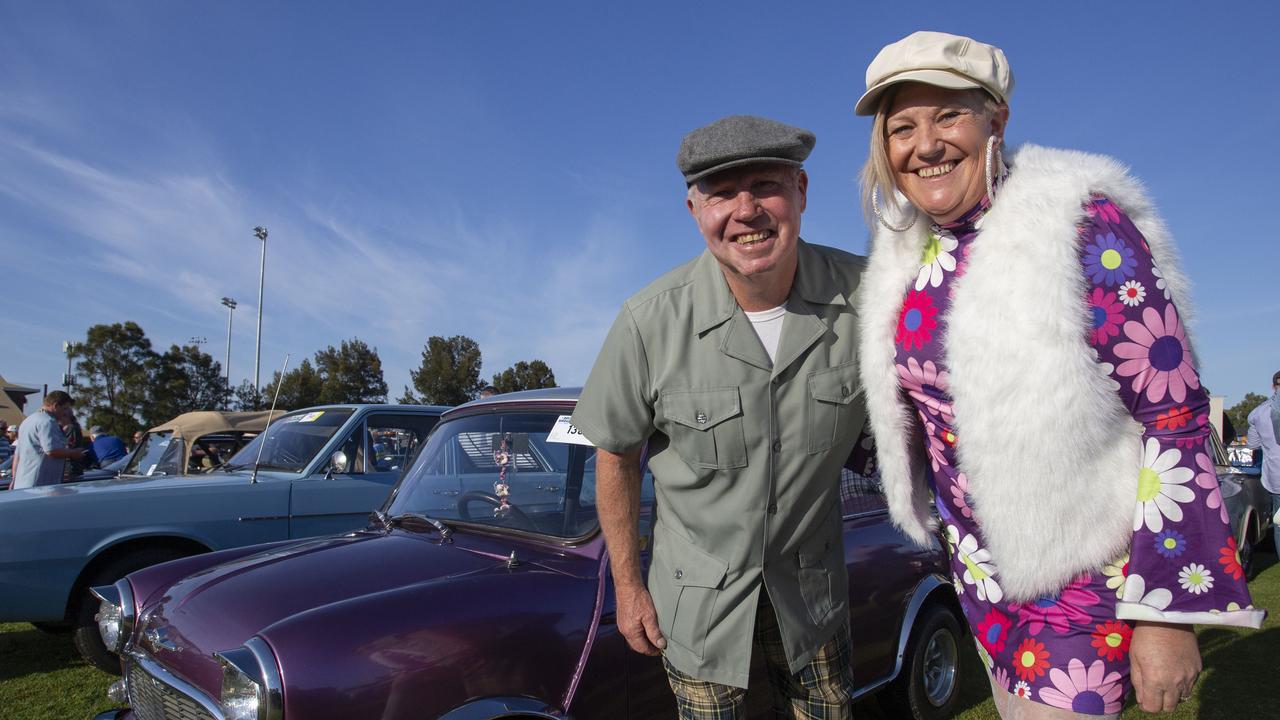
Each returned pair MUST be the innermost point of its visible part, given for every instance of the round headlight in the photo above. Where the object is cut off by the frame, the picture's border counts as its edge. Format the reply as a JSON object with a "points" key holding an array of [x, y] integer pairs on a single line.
{"points": [[251, 685], [115, 614], [241, 696], [108, 618]]}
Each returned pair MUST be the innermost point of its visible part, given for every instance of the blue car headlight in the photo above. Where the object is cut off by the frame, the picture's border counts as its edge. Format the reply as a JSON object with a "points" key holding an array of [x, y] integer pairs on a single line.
{"points": [[115, 615], [251, 685]]}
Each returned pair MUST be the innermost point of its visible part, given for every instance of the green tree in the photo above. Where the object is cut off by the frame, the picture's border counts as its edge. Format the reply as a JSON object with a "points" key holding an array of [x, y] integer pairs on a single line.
{"points": [[247, 397], [450, 371], [407, 397], [113, 367], [1239, 413], [351, 373], [184, 380], [524, 376], [300, 387]]}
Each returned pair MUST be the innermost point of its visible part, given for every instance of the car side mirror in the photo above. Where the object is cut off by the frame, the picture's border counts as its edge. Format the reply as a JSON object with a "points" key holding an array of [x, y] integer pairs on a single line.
{"points": [[337, 463]]}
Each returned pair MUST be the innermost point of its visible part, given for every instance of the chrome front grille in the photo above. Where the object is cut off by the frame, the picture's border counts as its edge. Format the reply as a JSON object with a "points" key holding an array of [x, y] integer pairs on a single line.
{"points": [[154, 694]]}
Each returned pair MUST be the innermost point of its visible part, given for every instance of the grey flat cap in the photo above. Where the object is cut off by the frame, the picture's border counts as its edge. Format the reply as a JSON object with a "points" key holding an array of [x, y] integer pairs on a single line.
{"points": [[741, 140]]}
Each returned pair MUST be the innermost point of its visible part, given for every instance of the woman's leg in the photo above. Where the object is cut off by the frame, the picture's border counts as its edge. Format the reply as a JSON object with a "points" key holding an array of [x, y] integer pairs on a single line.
{"points": [[1012, 707]]}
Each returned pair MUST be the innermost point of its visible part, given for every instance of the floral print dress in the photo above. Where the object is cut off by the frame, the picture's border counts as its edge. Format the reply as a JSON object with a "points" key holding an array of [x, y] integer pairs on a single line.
{"points": [[1071, 650]]}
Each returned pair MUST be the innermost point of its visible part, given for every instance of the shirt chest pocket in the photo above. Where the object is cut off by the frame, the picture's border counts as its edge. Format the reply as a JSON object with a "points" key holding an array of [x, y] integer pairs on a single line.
{"points": [[831, 395], [706, 426]]}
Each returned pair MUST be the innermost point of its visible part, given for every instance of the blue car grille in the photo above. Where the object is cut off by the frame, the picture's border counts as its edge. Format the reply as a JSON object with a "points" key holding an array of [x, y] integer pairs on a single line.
{"points": [[153, 699]]}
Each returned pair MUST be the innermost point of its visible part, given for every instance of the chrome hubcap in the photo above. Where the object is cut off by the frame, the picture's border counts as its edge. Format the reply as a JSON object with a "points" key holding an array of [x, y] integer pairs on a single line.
{"points": [[940, 660]]}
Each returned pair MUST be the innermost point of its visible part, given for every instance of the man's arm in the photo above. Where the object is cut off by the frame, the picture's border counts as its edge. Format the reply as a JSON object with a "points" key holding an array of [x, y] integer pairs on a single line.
{"points": [[1253, 439], [618, 506]]}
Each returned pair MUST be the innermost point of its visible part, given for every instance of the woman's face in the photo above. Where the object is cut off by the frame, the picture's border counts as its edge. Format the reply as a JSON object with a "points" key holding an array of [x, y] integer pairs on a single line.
{"points": [[936, 142]]}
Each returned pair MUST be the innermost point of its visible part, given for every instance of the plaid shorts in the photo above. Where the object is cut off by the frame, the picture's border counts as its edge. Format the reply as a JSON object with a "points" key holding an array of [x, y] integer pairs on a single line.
{"points": [[820, 691]]}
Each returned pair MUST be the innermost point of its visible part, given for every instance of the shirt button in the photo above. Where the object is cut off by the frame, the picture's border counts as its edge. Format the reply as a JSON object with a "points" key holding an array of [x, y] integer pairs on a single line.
{"points": [[777, 446], [773, 508], [678, 574]]}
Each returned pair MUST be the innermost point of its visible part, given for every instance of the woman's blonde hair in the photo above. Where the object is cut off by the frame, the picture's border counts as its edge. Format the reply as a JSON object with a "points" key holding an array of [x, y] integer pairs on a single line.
{"points": [[878, 173]]}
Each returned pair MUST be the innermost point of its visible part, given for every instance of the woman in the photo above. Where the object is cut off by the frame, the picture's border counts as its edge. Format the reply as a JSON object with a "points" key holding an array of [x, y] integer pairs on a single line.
{"points": [[1025, 356]]}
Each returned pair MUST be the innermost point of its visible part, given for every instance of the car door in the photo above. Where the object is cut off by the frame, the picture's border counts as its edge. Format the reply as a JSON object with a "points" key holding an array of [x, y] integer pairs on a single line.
{"points": [[358, 473]]}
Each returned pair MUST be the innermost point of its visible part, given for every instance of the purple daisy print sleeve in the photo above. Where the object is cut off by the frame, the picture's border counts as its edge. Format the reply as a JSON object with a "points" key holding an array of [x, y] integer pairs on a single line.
{"points": [[1183, 564]]}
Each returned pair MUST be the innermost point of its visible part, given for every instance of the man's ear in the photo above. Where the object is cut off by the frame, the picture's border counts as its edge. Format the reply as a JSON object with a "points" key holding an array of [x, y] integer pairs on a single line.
{"points": [[802, 185]]}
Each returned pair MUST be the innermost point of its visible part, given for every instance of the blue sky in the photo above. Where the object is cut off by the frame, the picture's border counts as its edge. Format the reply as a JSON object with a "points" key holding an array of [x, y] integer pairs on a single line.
{"points": [[505, 170]]}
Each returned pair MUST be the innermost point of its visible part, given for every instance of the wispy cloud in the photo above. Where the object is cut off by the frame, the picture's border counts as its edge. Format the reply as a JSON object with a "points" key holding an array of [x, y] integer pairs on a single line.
{"points": [[167, 241]]}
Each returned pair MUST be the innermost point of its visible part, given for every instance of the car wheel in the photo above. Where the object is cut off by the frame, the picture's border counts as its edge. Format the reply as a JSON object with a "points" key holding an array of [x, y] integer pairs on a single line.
{"points": [[85, 626], [1245, 549], [928, 686]]}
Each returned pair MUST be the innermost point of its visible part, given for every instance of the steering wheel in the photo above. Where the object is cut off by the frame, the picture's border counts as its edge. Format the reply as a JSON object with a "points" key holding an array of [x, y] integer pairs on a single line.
{"points": [[466, 498]]}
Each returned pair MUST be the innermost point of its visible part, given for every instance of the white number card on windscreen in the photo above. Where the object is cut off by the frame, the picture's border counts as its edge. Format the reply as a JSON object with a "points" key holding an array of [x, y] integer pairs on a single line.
{"points": [[564, 432]]}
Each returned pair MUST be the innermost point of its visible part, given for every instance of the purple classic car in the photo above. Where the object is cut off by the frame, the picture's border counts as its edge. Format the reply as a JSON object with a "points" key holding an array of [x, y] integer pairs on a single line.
{"points": [[480, 590]]}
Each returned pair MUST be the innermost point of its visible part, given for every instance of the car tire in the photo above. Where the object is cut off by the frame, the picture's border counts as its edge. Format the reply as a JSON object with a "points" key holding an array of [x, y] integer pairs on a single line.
{"points": [[928, 686], [1246, 558], [85, 628]]}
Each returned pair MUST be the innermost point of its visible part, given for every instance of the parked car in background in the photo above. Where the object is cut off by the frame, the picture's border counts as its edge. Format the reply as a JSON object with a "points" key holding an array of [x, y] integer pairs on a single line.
{"points": [[312, 472], [191, 443], [457, 602], [1247, 502]]}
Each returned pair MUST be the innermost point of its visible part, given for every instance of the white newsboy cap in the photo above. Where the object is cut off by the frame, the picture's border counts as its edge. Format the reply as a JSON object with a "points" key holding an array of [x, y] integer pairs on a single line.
{"points": [[936, 58]]}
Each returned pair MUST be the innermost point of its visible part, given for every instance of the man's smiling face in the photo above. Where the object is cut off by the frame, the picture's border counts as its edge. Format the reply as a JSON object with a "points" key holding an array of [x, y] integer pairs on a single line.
{"points": [[750, 216]]}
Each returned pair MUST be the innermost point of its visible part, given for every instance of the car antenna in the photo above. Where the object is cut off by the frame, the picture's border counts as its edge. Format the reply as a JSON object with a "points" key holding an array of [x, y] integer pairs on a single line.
{"points": [[253, 478]]}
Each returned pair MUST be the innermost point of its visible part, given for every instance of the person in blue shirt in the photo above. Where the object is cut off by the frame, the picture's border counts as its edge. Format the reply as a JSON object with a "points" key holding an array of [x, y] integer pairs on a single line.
{"points": [[6, 448], [106, 446]]}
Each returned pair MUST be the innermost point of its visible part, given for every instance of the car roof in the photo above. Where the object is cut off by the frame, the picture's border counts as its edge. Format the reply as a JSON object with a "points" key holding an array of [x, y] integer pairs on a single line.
{"points": [[542, 395], [429, 409], [202, 422]]}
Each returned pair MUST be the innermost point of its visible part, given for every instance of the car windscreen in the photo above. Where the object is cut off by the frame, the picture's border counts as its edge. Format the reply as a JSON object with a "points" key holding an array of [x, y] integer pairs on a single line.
{"points": [[292, 441], [159, 453], [504, 470]]}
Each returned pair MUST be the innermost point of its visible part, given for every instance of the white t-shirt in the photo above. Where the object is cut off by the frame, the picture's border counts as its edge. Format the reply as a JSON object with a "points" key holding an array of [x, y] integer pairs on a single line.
{"points": [[768, 327]]}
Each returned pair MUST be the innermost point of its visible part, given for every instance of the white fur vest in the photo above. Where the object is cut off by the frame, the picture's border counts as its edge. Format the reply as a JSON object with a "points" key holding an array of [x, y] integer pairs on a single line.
{"points": [[1051, 454]]}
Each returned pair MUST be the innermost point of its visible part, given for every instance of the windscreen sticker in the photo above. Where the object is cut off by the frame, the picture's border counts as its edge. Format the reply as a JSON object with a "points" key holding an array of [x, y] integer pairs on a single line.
{"points": [[311, 416], [151, 470], [564, 432]]}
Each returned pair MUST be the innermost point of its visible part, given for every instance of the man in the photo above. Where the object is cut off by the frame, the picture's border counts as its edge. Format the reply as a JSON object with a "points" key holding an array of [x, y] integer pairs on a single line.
{"points": [[73, 469], [1262, 436], [42, 447], [106, 446], [737, 370], [6, 448], [137, 440]]}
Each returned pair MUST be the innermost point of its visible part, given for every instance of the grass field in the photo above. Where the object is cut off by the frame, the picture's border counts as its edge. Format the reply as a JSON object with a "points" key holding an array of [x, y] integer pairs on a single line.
{"points": [[42, 677]]}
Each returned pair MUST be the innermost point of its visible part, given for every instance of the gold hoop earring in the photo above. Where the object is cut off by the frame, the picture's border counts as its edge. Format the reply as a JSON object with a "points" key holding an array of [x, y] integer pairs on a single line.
{"points": [[875, 207]]}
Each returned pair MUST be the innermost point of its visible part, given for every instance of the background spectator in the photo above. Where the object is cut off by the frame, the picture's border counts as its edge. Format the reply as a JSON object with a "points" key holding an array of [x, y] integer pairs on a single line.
{"points": [[106, 446], [42, 447], [6, 448]]}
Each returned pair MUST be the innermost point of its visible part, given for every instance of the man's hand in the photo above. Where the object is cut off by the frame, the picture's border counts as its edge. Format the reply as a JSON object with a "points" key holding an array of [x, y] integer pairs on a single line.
{"points": [[1165, 662], [638, 621]]}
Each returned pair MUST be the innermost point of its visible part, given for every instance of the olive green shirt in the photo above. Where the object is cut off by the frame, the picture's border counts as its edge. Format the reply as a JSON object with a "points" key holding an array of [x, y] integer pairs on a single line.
{"points": [[745, 454]]}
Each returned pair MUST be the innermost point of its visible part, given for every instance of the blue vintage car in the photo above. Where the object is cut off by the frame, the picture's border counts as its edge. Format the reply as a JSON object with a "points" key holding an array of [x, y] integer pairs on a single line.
{"points": [[313, 472]]}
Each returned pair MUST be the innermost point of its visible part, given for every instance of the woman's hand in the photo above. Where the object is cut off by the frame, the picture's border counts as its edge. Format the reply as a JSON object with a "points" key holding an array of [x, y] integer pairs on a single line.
{"points": [[1165, 662]]}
